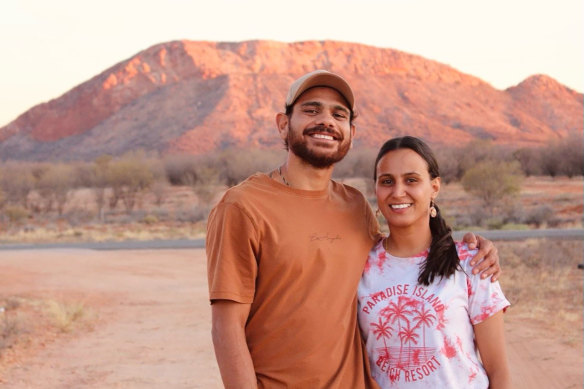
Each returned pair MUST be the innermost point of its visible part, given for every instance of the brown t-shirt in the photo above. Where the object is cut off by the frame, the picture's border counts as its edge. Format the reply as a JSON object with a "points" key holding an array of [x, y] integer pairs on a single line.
{"points": [[296, 256]]}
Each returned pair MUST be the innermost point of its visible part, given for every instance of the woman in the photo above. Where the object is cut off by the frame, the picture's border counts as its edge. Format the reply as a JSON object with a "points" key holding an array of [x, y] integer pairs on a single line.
{"points": [[420, 307]]}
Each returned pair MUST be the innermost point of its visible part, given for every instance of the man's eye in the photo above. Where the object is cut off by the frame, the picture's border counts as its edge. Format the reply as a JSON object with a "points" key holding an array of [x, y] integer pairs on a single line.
{"points": [[340, 115], [387, 181], [311, 111]]}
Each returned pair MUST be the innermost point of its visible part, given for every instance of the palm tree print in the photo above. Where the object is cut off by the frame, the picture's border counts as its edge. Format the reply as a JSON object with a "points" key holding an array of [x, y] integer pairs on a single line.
{"points": [[398, 312], [423, 319], [408, 335], [383, 330]]}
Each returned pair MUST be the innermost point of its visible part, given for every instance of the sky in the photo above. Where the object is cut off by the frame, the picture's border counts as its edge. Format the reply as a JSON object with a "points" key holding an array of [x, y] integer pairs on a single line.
{"points": [[49, 47]]}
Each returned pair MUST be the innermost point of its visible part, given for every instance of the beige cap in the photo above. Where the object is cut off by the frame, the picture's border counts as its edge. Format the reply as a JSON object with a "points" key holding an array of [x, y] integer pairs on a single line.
{"points": [[320, 78]]}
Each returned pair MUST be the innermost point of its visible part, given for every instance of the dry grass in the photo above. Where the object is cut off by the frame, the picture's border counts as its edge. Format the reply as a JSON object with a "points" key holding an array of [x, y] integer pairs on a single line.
{"points": [[65, 316], [14, 323], [105, 232], [26, 322], [542, 281], [12, 328]]}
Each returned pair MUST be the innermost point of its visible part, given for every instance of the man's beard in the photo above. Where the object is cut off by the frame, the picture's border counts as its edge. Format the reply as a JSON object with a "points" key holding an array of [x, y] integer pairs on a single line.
{"points": [[320, 161]]}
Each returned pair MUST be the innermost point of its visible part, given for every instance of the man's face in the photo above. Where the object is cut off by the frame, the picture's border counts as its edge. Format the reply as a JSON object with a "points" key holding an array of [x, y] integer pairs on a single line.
{"points": [[319, 130]]}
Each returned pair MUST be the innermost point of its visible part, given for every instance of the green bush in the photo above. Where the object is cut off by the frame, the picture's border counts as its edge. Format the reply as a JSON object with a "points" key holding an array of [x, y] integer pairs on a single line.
{"points": [[493, 181], [15, 213]]}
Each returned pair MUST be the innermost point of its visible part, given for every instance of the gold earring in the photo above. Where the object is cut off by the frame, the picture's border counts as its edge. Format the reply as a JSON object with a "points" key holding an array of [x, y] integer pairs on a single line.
{"points": [[433, 211]]}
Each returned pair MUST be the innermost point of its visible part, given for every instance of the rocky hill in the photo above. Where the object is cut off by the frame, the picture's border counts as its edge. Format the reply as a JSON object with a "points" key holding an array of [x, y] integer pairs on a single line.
{"points": [[197, 97]]}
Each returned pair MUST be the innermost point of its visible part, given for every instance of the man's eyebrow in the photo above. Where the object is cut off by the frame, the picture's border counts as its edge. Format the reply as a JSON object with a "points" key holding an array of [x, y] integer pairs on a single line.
{"points": [[311, 104], [320, 105], [342, 108]]}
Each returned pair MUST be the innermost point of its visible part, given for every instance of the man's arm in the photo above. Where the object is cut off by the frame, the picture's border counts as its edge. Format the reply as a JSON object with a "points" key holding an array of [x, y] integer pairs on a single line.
{"points": [[486, 261], [231, 351]]}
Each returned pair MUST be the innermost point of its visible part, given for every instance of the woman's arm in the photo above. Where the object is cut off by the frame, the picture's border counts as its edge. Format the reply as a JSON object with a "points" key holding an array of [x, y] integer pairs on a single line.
{"points": [[490, 337]]}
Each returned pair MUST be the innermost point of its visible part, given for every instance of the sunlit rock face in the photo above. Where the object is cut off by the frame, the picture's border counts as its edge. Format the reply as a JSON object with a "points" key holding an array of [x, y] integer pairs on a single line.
{"points": [[198, 97]]}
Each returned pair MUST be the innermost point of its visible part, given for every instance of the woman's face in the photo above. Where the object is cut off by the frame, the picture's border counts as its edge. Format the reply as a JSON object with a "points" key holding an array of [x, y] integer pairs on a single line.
{"points": [[405, 189]]}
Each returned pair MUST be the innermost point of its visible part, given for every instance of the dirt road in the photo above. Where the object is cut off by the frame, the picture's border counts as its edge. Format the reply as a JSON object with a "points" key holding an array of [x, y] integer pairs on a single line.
{"points": [[150, 324]]}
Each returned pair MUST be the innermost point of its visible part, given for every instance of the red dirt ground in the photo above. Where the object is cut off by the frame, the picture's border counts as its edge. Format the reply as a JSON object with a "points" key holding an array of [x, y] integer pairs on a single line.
{"points": [[147, 325]]}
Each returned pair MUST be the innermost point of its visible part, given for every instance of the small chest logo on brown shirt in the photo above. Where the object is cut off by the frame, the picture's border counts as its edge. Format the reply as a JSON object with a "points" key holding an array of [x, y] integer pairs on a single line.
{"points": [[324, 237]]}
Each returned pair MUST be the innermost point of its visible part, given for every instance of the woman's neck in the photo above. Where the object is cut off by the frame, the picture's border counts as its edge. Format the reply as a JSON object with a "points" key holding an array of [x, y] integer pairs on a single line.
{"points": [[407, 242]]}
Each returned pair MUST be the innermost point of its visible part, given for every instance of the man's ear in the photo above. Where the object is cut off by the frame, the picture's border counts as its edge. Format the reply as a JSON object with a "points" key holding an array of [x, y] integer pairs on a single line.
{"points": [[282, 122], [353, 128]]}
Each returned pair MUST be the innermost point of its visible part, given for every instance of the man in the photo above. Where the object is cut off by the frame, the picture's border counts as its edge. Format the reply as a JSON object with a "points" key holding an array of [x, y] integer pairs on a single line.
{"points": [[286, 251]]}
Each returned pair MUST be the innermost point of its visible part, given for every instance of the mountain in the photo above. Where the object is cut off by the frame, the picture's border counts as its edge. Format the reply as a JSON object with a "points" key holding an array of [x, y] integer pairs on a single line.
{"points": [[197, 97]]}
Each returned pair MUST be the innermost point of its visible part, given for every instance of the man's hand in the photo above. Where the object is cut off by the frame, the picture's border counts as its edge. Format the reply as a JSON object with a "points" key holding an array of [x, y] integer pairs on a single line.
{"points": [[486, 261]]}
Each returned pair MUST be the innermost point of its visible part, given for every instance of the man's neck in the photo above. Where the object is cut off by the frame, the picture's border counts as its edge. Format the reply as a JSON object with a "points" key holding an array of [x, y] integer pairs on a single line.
{"points": [[301, 175]]}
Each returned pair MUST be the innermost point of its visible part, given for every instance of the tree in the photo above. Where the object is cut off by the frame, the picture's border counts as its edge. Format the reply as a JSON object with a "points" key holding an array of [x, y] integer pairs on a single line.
{"points": [[571, 151], [493, 181], [55, 186], [448, 160], [235, 165], [550, 160], [99, 182], [530, 160], [128, 177], [16, 183]]}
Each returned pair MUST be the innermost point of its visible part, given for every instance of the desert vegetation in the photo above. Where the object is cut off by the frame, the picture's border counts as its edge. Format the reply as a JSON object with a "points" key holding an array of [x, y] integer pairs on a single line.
{"points": [[170, 197], [542, 281], [26, 322]]}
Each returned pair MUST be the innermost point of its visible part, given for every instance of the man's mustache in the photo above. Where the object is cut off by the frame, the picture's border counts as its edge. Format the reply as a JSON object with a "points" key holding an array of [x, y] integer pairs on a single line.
{"points": [[323, 130]]}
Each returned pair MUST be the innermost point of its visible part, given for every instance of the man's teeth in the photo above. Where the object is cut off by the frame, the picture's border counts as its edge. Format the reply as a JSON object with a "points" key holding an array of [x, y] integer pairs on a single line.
{"points": [[400, 206], [322, 136]]}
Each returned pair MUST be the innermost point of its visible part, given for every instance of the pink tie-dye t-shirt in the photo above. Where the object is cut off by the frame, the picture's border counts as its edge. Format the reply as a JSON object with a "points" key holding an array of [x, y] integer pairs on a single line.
{"points": [[422, 336]]}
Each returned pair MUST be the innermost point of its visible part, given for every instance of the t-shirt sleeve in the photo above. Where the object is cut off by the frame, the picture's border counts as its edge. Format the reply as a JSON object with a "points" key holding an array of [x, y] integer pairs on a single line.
{"points": [[372, 223], [485, 298], [231, 246]]}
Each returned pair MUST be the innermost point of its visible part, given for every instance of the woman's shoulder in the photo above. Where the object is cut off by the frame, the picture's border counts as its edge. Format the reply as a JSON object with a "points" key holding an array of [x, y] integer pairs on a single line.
{"points": [[465, 254]]}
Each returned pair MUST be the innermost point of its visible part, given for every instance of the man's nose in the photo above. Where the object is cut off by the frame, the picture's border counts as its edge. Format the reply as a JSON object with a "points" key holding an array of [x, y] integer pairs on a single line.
{"points": [[326, 119]]}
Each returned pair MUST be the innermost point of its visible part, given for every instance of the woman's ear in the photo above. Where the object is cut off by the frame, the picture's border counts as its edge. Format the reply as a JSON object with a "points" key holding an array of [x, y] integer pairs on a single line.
{"points": [[436, 182]]}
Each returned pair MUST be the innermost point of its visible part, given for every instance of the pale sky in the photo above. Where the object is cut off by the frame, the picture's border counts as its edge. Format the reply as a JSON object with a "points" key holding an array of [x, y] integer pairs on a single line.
{"points": [[49, 47]]}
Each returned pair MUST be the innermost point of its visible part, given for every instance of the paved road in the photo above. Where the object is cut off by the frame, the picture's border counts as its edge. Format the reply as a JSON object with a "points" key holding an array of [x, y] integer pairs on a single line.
{"points": [[527, 234], [200, 243]]}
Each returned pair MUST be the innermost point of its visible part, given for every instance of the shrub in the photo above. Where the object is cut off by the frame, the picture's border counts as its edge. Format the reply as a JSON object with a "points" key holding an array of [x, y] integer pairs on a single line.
{"points": [[493, 181], [16, 213], [16, 182], [65, 316], [539, 215], [358, 163], [55, 186], [128, 176], [149, 219]]}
